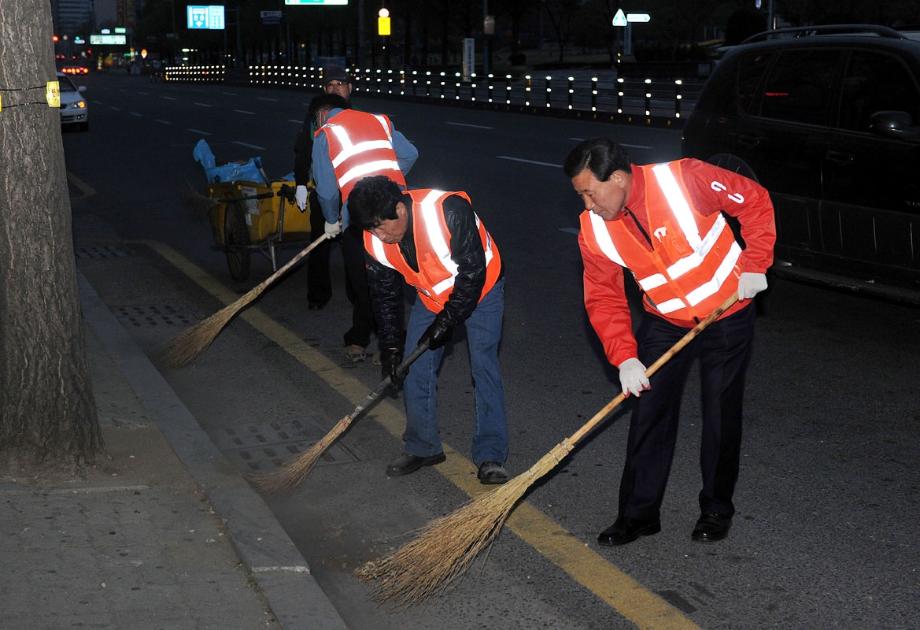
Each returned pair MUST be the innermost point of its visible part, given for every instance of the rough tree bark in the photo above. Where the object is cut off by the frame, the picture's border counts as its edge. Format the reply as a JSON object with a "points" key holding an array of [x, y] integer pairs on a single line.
{"points": [[47, 413]]}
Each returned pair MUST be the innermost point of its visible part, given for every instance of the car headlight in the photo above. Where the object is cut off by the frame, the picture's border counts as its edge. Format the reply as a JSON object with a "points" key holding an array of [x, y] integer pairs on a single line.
{"points": [[80, 104]]}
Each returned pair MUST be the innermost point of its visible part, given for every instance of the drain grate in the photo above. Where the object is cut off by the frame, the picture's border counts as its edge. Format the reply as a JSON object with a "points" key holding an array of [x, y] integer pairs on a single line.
{"points": [[103, 251], [271, 445], [145, 316]]}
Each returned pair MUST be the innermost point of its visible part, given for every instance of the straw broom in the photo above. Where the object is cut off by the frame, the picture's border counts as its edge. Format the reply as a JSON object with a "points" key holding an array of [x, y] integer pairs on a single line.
{"points": [[296, 471], [445, 547], [193, 341]]}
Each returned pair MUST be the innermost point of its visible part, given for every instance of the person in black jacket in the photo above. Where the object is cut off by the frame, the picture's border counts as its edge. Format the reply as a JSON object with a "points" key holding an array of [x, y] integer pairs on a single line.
{"points": [[433, 240], [319, 282]]}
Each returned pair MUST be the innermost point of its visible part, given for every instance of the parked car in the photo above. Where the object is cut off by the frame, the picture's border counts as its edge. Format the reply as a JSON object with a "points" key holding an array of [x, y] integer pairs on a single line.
{"points": [[74, 109], [828, 119]]}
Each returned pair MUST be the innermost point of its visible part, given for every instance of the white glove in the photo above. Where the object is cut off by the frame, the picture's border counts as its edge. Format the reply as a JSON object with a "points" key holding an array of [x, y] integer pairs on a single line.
{"points": [[750, 284], [333, 229], [632, 377], [300, 196]]}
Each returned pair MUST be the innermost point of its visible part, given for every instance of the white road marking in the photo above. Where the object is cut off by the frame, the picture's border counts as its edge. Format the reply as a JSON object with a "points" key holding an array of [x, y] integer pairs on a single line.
{"points": [[243, 111], [143, 93], [202, 104], [515, 159], [229, 93], [622, 144], [460, 124], [117, 109], [137, 114], [163, 122], [97, 102], [168, 98], [569, 231], [266, 98], [294, 120], [251, 146], [200, 132]]}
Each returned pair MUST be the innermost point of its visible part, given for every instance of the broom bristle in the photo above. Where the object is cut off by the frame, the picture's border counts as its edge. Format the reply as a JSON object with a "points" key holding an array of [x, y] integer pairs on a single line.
{"points": [[187, 345], [296, 471], [446, 547]]}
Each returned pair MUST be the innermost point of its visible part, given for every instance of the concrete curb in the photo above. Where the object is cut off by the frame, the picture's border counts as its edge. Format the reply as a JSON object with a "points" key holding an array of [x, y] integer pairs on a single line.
{"points": [[263, 546]]}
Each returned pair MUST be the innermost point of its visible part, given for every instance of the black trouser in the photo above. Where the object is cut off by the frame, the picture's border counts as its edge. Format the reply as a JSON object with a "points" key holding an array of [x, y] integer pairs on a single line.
{"points": [[319, 282], [724, 351], [362, 318]]}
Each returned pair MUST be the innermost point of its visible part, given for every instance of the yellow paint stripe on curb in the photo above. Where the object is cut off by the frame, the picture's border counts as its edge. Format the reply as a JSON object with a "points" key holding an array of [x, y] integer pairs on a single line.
{"points": [[619, 591]]}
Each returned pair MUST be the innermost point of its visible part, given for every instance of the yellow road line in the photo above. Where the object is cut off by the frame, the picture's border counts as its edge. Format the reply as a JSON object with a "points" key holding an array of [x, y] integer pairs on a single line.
{"points": [[615, 588]]}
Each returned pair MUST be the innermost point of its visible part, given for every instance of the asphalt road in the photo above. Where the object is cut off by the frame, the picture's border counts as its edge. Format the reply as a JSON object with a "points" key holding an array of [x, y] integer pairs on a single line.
{"points": [[825, 534]]}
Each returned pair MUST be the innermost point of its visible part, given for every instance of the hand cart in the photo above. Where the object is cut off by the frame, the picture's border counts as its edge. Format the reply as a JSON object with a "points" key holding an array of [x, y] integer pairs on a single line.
{"points": [[252, 216]]}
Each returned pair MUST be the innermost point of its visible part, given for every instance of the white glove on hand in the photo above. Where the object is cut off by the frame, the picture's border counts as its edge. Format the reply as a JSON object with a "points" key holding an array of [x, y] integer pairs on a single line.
{"points": [[333, 229], [633, 378], [300, 196], [750, 284]]}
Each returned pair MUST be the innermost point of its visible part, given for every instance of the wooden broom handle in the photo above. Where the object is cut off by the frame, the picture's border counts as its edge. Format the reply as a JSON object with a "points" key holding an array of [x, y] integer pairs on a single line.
{"points": [[601, 415]]}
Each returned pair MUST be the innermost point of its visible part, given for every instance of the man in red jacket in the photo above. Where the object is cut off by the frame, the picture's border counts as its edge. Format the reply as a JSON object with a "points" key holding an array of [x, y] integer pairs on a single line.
{"points": [[666, 224]]}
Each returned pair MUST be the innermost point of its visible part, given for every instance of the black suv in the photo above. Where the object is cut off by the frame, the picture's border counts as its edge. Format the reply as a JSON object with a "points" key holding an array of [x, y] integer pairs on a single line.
{"points": [[828, 119]]}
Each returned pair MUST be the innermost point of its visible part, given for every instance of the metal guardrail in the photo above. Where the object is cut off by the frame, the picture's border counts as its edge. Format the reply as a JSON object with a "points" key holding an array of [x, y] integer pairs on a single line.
{"points": [[602, 96]]}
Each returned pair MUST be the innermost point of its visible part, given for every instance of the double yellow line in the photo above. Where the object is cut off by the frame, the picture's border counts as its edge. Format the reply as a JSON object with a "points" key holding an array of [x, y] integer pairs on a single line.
{"points": [[616, 589]]}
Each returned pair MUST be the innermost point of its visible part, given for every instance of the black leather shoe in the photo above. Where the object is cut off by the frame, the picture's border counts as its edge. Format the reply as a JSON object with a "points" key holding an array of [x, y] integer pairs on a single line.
{"points": [[407, 464], [711, 527], [626, 530], [492, 473]]}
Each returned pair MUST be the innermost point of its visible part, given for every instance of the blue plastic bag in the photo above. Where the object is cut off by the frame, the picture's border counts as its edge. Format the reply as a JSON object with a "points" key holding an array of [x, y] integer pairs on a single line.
{"points": [[248, 171]]}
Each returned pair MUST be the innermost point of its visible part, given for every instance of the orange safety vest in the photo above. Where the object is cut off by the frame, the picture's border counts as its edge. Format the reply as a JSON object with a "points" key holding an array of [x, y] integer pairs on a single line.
{"points": [[693, 264], [360, 145], [434, 279]]}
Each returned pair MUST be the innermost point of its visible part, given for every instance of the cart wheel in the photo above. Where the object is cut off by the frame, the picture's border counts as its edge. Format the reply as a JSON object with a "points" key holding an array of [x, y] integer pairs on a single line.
{"points": [[236, 242]]}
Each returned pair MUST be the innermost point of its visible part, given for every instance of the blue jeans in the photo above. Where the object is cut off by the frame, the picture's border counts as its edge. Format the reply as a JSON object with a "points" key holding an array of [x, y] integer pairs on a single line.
{"points": [[483, 332]]}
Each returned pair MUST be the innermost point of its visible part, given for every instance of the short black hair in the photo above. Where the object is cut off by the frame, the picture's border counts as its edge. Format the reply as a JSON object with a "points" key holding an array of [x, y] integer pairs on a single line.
{"points": [[325, 101], [373, 200], [602, 155]]}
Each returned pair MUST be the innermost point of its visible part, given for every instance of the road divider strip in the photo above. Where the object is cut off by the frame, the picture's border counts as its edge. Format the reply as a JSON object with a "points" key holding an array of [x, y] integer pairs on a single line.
{"points": [[460, 124], [249, 146], [200, 132], [591, 570], [517, 159]]}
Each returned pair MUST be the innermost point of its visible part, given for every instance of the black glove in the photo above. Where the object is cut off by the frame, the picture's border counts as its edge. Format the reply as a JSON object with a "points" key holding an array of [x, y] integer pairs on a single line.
{"points": [[439, 332], [390, 358]]}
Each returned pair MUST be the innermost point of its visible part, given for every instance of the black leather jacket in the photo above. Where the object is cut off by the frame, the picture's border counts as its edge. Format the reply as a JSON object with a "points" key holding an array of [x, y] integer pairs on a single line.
{"points": [[386, 284]]}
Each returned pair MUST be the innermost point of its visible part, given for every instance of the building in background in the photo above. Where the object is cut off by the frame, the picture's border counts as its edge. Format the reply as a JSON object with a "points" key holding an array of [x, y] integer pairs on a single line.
{"points": [[72, 17]]}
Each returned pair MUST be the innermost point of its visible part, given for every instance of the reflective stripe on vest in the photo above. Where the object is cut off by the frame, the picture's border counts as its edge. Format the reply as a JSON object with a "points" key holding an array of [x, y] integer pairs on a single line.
{"points": [[437, 239], [693, 290]]}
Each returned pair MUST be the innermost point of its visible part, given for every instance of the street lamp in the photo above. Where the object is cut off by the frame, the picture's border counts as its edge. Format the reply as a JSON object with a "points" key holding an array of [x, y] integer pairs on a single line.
{"points": [[383, 31], [488, 29]]}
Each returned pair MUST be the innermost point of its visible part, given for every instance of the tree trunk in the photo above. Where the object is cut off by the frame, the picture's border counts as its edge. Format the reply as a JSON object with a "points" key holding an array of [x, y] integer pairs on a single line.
{"points": [[47, 412]]}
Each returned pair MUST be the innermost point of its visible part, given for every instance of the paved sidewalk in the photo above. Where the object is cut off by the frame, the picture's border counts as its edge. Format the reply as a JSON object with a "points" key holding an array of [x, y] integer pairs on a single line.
{"points": [[161, 533]]}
